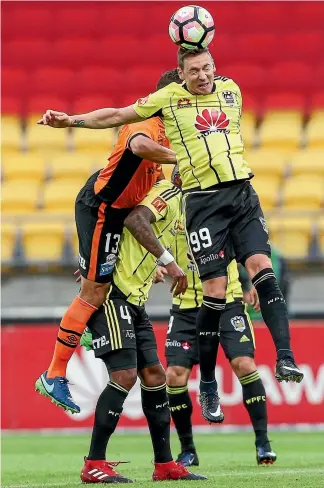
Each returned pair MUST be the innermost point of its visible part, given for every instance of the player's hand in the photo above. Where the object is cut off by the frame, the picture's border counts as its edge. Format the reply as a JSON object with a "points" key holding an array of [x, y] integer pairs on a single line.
{"points": [[159, 275], [77, 275], [180, 282], [59, 120], [251, 298]]}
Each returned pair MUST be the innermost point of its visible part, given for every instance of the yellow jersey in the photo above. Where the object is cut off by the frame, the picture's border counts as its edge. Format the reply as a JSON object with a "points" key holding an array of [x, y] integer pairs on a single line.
{"points": [[135, 267], [203, 130], [192, 298]]}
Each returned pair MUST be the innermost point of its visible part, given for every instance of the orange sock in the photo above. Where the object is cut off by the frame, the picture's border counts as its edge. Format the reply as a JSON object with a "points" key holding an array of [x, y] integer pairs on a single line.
{"points": [[72, 325]]}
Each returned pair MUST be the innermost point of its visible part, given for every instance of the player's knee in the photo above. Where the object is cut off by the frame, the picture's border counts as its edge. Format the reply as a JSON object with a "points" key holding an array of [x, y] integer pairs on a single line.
{"points": [[94, 293], [256, 263], [177, 376], [125, 378], [152, 375], [243, 365], [216, 287]]}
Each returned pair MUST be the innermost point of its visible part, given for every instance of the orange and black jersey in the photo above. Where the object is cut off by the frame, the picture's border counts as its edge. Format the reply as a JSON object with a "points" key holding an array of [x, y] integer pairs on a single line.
{"points": [[127, 178]]}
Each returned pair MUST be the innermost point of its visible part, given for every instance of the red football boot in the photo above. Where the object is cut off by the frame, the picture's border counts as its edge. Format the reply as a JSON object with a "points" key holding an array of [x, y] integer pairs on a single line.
{"points": [[101, 472], [174, 471]]}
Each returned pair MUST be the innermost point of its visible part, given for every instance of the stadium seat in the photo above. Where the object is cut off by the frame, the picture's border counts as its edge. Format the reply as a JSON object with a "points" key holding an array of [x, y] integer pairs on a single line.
{"points": [[82, 21], [267, 190], [321, 235], [24, 166], [258, 48], [14, 81], [318, 100], [248, 128], [104, 80], [19, 197], [288, 100], [265, 17], [43, 241], [309, 162], [8, 241], [74, 241], [92, 140], [28, 53], [281, 129], [267, 163], [71, 166], [114, 51], [55, 79], [310, 14], [289, 75], [45, 139], [89, 103], [250, 77], [37, 105], [11, 105], [292, 236], [143, 80], [27, 20], [73, 52], [303, 192], [304, 46], [315, 130], [59, 196], [11, 133]]}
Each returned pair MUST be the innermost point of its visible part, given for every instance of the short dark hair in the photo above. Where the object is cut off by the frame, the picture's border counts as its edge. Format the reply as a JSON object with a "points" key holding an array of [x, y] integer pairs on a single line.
{"points": [[167, 78], [185, 53]]}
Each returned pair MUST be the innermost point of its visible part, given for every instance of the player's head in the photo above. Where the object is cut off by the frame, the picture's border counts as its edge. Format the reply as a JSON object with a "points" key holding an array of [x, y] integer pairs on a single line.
{"points": [[197, 69], [168, 77], [175, 177]]}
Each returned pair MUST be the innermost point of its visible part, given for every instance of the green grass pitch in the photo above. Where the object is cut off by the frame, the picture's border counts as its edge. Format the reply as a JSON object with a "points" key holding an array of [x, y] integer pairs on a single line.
{"points": [[227, 459]]}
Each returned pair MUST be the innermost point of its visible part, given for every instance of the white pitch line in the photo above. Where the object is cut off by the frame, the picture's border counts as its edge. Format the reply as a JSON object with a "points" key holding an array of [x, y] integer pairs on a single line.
{"points": [[264, 470]]}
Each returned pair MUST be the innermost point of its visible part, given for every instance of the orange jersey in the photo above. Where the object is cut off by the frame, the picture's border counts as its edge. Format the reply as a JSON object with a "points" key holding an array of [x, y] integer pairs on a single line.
{"points": [[127, 178]]}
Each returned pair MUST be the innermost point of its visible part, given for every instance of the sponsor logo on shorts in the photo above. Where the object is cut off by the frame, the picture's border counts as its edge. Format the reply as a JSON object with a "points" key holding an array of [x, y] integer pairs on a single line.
{"points": [[184, 102], [212, 257], [172, 343], [159, 204], [129, 333], [82, 262], [244, 338], [261, 398], [209, 333], [161, 405], [114, 414], [178, 407], [101, 342], [238, 323], [211, 121], [264, 225], [186, 346]]}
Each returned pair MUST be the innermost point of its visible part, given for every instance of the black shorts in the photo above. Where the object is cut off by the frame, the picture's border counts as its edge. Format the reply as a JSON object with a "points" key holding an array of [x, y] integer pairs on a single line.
{"points": [[99, 228], [236, 336], [222, 224], [120, 325]]}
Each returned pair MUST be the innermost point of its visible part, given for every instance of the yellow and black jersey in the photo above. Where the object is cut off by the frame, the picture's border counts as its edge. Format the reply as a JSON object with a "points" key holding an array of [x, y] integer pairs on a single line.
{"points": [[135, 267], [192, 298], [203, 130]]}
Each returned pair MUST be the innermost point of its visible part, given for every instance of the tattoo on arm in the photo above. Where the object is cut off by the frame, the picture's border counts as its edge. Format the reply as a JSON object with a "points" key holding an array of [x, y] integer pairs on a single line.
{"points": [[78, 123], [139, 225]]}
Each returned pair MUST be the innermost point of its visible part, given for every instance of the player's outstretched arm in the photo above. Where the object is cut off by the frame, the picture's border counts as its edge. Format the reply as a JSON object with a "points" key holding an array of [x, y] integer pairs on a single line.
{"points": [[147, 149], [138, 222], [103, 118]]}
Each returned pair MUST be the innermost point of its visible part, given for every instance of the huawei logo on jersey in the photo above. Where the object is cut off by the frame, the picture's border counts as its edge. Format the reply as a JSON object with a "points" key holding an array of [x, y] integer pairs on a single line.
{"points": [[210, 121]]}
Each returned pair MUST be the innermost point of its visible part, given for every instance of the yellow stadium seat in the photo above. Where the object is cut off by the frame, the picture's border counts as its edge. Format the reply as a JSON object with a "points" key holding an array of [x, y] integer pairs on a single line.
{"points": [[292, 236], [19, 197], [71, 165], [59, 196], [248, 124], [30, 167], [92, 140], [74, 240], [309, 162], [315, 130], [303, 193], [46, 139], [281, 129], [267, 163], [8, 241], [11, 133], [43, 241], [267, 190]]}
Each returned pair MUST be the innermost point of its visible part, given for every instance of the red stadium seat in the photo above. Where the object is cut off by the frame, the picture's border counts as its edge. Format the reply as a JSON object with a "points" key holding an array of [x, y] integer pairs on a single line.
{"points": [[79, 20], [11, 105], [90, 103], [72, 53], [250, 103], [117, 51], [266, 16], [143, 80], [27, 53], [131, 19], [39, 103], [93, 79], [318, 101], [319, 76], [284, 100], [26, 20], [59, 81], [250, 77], [258, 47], [307, 46], [290, 75], [14, 82], [307, 14], [167, 53]]}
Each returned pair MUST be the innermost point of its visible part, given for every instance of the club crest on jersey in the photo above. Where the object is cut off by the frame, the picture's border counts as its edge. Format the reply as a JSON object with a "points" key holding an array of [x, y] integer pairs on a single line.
{"points": [[211, 121], [184, 102], [238, 323], [229, 98]]}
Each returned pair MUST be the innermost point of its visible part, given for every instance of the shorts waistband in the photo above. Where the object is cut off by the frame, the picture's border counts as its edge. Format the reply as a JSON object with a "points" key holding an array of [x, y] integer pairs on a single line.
{"points": [[219, 186], [176, 308]]}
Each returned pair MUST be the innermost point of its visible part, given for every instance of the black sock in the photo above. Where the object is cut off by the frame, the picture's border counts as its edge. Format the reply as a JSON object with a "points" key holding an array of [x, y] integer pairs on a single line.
{"points": [[156, 410], [255, 401], [181, 411], [108, 410], [274, 310], [208, 335]]}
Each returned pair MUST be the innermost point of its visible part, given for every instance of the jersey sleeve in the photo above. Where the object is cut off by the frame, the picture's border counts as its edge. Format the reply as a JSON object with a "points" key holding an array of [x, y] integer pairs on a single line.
{"points": [[146, 128], [156, 203], [152, 104]]}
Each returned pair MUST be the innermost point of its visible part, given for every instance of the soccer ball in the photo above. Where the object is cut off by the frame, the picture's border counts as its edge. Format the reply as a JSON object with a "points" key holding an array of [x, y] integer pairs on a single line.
{"points": [[192, 27]]}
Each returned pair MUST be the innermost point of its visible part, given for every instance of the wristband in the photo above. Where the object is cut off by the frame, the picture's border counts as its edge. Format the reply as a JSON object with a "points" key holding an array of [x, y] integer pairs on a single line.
{"points": [[166, 258]]}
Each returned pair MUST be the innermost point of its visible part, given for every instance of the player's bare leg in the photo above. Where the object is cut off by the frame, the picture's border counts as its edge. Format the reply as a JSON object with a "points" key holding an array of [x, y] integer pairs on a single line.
{"points": [[181, 410], [208, 341], [255, 402], [275, 314], [53, 382]]}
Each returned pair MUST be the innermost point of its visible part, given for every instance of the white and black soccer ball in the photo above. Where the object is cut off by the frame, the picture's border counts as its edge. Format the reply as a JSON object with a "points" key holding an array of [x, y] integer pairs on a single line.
{"points": [[192, 27]]}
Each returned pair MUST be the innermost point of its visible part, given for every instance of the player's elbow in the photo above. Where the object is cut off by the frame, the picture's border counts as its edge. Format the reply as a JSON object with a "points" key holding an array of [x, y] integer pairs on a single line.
{"points": [[140, 145]]}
